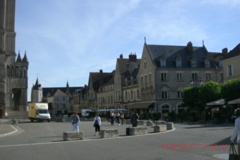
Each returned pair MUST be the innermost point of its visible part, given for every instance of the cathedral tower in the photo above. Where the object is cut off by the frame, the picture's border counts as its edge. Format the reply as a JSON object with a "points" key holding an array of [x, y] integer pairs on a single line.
{"points": [[13, 71]]}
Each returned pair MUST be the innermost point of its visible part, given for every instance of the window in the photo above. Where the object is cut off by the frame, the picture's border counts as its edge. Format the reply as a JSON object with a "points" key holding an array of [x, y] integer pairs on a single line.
{"points": [[150, 78], [145, 65], [220, 64], [179, 77], [179, 94], [146, 79], [208, 76], [162, 62], [164, 95], [194, 77], [163, 77], [178, 63], [207, 63], [193, 63], [230, 70], [221, 78]]}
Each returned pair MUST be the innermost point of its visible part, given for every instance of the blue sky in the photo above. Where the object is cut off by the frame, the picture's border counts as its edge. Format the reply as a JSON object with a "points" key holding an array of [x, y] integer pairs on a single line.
{"points": [[65, 40]]}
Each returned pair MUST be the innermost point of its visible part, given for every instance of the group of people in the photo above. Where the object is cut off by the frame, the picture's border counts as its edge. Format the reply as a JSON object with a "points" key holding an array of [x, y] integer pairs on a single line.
{"points": [[117, 117], [76, 122], [120, 117], [97, 121]]}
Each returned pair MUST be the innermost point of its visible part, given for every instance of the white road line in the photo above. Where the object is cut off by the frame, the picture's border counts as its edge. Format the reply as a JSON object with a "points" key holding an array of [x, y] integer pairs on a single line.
{"points": [[6, 134], [97, 139]]}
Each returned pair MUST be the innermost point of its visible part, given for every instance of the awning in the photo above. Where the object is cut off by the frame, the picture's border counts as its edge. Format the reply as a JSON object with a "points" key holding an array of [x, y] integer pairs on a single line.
{"points": [[235, 101], [218, 102], [140, 105], [105, 110]]}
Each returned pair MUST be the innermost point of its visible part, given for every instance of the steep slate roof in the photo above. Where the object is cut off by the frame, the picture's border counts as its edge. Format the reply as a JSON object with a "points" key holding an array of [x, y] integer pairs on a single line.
{"points": [[123, 64], [234, 52], [171, 52], [100, 78], [52, 90]]}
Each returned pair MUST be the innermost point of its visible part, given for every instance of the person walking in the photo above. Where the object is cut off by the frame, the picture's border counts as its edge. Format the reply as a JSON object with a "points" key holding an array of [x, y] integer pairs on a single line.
{"points": [[97, 123], [122, 118], [112, 116], [134, 119], [236, 132], [75, 122], [118, 118]]}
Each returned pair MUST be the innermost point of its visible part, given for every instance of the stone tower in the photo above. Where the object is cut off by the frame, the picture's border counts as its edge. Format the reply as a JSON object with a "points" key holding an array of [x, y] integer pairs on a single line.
{"points": [[36, 93], [13, 68]]}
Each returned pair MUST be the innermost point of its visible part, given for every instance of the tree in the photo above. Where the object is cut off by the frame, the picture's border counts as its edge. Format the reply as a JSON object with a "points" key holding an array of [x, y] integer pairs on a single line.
{"points": [[230, 89], [208, 92], [190, 97]]}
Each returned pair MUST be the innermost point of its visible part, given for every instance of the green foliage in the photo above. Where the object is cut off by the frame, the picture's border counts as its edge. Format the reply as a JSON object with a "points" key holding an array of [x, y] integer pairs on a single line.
{"points": [[208, 92], [190, 96], [230, 89]]}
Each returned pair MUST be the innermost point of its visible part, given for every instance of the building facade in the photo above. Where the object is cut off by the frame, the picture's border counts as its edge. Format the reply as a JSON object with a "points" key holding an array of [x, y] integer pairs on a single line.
{"points": [[166, 70], [13, 68], [231, 65]]}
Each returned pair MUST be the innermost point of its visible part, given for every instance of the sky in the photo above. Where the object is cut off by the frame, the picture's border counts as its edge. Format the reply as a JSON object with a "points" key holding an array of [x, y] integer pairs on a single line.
{"points": [[65, 40]]}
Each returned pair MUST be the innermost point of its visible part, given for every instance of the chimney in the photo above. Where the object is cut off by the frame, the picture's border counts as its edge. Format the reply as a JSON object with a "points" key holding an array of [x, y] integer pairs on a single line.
{"points": [[121, 56], [190, 47], [224, 50], [132, 57]]}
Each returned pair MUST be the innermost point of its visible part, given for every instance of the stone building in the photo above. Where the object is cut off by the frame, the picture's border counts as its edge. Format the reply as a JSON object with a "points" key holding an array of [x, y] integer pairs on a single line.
{"points": [[95, 83], [231, 65], [13, 68], [126, 89], [166, 70], [59, 99]]}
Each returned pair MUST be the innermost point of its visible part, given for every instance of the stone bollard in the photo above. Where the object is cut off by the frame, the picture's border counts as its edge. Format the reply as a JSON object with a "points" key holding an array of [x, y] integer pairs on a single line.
{"points": [[170, 125], [109, 133], [160, 128], [140, 122], [72, 136], [14, 121], [136, 130], [160, 122], [149, 123]]}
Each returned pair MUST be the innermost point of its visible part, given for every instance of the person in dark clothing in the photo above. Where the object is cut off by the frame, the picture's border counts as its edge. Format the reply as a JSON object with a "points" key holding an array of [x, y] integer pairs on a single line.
{"points": [[134, 119]]}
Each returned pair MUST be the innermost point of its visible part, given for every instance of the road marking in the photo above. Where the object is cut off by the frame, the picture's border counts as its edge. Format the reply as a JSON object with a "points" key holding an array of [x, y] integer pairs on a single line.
{"points": [[93, 139], [6, 134]]}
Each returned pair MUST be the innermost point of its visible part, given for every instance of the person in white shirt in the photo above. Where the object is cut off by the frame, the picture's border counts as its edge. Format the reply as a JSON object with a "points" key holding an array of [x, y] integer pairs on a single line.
{"points": [[236, 132], [97, 123], [75, 122]]}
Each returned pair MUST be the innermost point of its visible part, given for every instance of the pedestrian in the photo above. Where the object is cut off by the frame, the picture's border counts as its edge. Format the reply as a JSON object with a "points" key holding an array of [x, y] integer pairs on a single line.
{"points": [[134, 119], [112, 118], [97, 123], [75, 122], [118, 118], [236, 132], [122, 118]]}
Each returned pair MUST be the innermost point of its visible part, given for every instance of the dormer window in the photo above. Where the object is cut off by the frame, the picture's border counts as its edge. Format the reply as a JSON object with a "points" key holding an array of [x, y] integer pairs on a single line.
{"points": [[207, 63], [163, 63], [178, 63], [193, 63], [220, 64]]}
